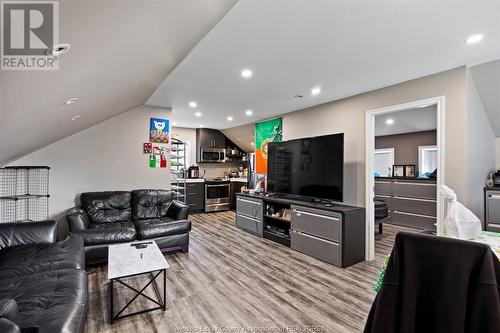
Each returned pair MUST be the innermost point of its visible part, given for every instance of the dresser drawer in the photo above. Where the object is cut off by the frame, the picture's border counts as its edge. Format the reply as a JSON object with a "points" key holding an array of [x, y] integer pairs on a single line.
{"points": [[249, 224], [316, 222], [249, 207], [383, 187], [413, 220], [493, 207], [415, 190], [316, 247], [414, 206]]}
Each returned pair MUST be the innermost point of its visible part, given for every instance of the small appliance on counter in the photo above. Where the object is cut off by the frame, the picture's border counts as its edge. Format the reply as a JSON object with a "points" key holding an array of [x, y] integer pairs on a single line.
{"points": [[193, 172], [494, 180]]}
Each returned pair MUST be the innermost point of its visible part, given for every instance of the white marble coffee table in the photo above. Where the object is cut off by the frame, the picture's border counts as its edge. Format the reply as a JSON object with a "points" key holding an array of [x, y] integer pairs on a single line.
{"points": [[126, 260]]}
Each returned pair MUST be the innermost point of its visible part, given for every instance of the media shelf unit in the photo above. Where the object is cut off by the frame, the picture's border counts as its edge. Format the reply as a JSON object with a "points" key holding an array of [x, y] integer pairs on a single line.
{"points": [[24, 193], [335, 234]]}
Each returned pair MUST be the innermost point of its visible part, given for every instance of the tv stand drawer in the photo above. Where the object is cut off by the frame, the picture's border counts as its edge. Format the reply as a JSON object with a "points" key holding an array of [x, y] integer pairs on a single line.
{"points": [[316, 222], [249, 224], [316, 247], [249, 206]]}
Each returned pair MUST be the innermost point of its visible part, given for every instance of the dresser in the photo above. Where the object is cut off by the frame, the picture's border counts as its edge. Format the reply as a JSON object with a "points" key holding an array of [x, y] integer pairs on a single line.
{"points": [[492, 209], [412, 202]]}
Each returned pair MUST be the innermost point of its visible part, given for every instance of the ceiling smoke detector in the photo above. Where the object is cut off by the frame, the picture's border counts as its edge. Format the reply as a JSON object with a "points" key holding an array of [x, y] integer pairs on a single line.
{"points": [[57, 50]]}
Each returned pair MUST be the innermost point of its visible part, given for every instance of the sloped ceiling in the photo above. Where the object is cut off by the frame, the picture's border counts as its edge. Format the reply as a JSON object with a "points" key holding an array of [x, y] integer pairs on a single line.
{"points": [[487, 79], [121, 50], [345, 47]]}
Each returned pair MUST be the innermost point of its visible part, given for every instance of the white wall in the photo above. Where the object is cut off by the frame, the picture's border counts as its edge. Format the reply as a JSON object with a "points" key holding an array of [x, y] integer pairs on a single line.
{"points": [[107, 156], [348, 116], [497, 153], [481, 148]]}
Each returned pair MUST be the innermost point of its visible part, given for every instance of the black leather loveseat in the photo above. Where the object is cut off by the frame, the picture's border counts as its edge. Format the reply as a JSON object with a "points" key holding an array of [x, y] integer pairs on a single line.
{"points": [[119, 216], [43, 283]]}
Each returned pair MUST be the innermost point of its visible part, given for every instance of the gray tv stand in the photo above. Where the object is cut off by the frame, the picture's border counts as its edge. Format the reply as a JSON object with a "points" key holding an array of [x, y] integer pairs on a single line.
{"points": [[335, 234]]}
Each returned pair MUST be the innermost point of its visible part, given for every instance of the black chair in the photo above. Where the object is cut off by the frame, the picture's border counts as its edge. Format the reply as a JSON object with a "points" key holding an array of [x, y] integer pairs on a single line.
{"points": [[381, 213], [437, 284]]}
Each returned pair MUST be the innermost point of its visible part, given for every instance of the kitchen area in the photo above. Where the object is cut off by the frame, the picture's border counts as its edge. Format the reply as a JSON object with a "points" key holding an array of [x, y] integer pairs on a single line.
{"points": [[208, 169]]}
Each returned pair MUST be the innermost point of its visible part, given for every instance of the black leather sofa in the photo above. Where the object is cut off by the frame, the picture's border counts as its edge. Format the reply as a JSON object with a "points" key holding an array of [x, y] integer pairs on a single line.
{"points": [[43, 283], [118, 216]]}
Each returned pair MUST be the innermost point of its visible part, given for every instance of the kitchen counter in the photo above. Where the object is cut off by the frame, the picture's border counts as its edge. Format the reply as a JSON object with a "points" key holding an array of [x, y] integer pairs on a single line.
{"points": [[191, 180], [201, 180], [239, 180]]}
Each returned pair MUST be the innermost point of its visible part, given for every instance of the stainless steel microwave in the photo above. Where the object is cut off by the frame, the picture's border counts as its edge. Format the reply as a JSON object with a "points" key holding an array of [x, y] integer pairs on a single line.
{"points": [[212, 155]]}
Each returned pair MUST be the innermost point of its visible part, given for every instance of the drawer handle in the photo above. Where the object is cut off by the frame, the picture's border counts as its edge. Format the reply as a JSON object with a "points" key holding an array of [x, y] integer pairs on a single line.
{"points": [[248, 218], [249, 201], [314, 237], [418, 215], [495, 196], [299, 212]]}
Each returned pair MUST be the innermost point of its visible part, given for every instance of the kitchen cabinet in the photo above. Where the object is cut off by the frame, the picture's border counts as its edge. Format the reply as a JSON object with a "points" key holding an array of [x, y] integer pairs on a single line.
{"points": [[235, 189], [210, 138], [195, 196]]}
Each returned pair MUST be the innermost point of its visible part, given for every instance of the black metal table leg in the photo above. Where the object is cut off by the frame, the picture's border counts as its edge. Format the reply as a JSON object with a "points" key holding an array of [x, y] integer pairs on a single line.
{"points": [[110, 292], [152, 281]]}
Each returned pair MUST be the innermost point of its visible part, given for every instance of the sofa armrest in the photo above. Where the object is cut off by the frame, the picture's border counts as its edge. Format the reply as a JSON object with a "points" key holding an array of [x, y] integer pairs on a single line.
{"points": [[178, 210], [8, 309], [78, 220], [24, 233], [6, 326]]}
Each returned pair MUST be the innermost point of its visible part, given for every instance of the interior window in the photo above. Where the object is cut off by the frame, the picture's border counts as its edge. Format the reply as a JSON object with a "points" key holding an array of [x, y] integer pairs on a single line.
{"points": [[427, 159], [384, 159]]}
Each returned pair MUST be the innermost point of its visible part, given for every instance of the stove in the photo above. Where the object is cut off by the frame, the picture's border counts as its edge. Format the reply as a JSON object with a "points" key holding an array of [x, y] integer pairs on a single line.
{"points": [[217, 194]]}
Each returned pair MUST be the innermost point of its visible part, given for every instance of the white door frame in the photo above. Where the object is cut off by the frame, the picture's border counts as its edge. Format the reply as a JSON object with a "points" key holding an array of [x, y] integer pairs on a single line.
{"points": [[370, 149]]}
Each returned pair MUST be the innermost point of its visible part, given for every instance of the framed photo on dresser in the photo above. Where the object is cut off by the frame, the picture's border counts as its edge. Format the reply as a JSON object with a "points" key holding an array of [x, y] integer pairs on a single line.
{"points": [[398, 170]]}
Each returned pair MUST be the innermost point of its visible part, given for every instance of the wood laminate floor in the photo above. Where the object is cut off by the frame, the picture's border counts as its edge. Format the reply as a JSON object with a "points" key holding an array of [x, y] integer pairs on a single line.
{"points": [[232, 281]]}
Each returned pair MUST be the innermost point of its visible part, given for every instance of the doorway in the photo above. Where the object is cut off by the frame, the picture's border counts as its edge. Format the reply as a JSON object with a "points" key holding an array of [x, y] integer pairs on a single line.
{"points": [[428, 155]]}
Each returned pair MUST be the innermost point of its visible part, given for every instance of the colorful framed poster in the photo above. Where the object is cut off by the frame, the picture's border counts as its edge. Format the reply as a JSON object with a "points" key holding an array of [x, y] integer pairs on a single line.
{"points": [[158, 130], [265, 133]]}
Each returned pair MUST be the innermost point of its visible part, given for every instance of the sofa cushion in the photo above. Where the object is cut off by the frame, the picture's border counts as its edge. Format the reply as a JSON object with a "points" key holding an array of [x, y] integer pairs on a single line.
{"points": [[29, 259], [55, 301], [103, 233], [148, 204], [105, 207], [151, 228]]}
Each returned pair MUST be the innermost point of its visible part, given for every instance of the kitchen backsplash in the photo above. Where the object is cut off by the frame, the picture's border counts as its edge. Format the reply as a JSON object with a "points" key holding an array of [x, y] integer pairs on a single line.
{"points": [[216, 169]]}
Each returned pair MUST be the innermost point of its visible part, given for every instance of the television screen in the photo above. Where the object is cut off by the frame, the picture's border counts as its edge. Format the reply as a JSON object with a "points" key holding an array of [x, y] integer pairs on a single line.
{"points": [[311, 167]]}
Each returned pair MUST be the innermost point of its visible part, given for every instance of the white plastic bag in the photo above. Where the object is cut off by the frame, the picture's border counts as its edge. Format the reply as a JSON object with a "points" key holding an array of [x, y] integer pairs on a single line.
{"points": [[460, 222]]}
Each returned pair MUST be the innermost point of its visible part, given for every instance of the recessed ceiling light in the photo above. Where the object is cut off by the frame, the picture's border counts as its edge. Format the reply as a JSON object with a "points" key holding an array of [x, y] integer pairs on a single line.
{"points": [[474, 39], [193, 104], [174, 123], [315, 91], [197, 114], [249, 112], [389, 121], [70, 101], [75, 117], [200, 126], [246, 73], [57, 50], [229, 118], [252, 143]]}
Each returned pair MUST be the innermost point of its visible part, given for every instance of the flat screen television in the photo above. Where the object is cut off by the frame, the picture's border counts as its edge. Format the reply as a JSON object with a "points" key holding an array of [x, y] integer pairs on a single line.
{"points": [[310, 167]]}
